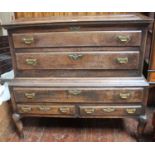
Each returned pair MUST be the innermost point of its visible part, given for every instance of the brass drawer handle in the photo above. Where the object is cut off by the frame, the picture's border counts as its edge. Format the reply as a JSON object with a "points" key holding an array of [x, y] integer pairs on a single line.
{"points": [[42, 108], [32, 62], [30, 95], [89, 110], [28, 40], [26, 109], [74, 28], [122, 60], [64, 109], [124, 95], [74, 92], [123, 38], [108, 109], [131, 110], [75, 56]]}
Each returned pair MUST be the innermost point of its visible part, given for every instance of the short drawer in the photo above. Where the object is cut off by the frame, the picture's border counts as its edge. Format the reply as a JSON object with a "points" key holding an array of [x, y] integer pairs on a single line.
{"points": [[101, 111], [47, 109], [81, 60], [78, 95], [78, 38]]}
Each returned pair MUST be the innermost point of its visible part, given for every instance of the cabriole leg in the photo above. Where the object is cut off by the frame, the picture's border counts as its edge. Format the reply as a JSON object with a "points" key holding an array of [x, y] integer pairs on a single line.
{"points": [[142, 120], [17, 120]]}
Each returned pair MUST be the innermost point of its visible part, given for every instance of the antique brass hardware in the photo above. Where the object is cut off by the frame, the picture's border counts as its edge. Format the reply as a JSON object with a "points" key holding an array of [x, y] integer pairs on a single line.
{"points": [[108, 109], [123, 38], [89, 110], [74, 92], [64, 109], [131, 110], [44, 108], [74, 28], [28, 40], [75, 56], [122, 60], [124, 95], [30, 95], [26, 109], [32, 62]]}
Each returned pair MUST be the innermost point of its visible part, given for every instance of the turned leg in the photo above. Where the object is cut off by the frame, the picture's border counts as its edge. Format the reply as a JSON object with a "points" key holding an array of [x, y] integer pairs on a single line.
{"points": [[142, 120], [17, 120]]}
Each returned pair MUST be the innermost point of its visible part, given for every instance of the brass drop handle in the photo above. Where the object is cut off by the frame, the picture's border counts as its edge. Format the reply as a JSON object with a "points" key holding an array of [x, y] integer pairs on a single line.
{"points": [[75, 56], [89, 110], [28, 40], [121, 60], [74, 28], [131, 110], [123, 38], [26, 109], [30, 95], [124, 95], [32, 62], [43, 108], [64, 109], [74, 92], [108, 110]]}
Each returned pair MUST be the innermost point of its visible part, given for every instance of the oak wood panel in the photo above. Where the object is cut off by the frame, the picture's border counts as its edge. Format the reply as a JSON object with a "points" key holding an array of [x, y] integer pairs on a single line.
{"points": [[79, 60], [102, 95], [87, 38]]}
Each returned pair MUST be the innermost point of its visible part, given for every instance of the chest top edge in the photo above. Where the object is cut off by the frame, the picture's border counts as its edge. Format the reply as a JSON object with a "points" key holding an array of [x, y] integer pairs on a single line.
{"points": [[67, 20]]}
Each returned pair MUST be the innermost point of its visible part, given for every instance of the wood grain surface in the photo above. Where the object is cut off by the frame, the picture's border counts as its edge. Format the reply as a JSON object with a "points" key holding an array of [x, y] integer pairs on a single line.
{"points": [[79, 60], [79, 95]]}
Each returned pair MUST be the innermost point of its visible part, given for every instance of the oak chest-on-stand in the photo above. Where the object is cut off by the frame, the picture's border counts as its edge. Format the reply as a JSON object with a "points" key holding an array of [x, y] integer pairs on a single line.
{"points": [[79, 67]]}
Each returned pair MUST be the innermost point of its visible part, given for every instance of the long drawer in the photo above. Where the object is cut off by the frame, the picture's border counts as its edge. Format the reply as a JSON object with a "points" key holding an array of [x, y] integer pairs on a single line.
{"points": [[79, 95], [81, 60], [57, 110], [78, 38], [100, 111]]}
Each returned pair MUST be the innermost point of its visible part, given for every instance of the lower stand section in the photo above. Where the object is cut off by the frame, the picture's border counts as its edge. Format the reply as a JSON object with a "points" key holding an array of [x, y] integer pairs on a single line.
{"points": [[17, 120], [142, 121]]}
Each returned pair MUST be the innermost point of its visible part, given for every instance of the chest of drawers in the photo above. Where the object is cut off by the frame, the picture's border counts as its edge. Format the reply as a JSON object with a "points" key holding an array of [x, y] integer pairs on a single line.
{"points": [[87, 67]]}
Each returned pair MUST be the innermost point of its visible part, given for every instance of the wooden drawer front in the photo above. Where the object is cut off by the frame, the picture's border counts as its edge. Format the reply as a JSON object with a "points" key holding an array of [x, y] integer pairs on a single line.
{"points": [[86, 111], [47, 109], [81, 60], [79, 38], [78, 95]]}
